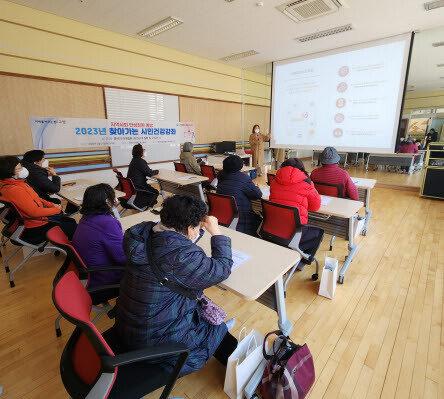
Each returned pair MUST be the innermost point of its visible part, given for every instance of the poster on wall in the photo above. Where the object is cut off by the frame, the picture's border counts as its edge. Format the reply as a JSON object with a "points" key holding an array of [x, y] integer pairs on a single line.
{"points": [[55, 133]]}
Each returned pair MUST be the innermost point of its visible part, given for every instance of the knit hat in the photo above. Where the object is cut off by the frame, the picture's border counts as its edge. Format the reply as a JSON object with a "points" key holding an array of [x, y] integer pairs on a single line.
{"points": [[233, 163], [329, 156]]}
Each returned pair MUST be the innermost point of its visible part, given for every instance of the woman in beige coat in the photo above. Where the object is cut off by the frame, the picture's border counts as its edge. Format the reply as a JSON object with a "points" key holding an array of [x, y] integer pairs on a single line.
{"points": [[187, 158], [257, 147]]}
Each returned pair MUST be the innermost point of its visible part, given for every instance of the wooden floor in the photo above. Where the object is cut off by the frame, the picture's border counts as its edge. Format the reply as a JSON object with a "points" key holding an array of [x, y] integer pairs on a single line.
{"points": [[381, 337]]}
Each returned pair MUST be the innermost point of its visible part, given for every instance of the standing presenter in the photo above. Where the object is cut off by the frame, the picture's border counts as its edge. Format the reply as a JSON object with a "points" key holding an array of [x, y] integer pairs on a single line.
{"points": [[257, 147]]}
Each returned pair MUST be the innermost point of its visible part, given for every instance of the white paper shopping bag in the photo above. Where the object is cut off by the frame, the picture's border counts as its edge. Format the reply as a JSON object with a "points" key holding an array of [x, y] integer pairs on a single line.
{"points": [[358, 225], [242, 363], [329, 277]]}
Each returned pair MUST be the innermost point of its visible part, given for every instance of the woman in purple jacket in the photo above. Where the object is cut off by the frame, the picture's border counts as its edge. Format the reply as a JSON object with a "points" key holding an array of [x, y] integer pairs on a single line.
{"points": [[99, 237]]}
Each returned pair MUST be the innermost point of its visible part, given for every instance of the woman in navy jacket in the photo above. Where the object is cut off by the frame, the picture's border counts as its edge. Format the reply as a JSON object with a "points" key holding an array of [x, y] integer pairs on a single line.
{"points": [[233, 182]]}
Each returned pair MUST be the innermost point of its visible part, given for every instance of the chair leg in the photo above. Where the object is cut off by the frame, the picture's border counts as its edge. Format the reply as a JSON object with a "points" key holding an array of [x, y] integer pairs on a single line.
{"points": [[101, 310], [9, 258], [11, 278], [288, 278], [331, 242], [316, 275], [57, 326]]}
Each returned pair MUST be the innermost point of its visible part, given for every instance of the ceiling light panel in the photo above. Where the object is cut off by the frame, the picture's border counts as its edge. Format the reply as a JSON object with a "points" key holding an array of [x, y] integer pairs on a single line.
{"points": [[325, 33], [161, 27], [432, 5], [438, 44], [238, 56], [440, 65]]}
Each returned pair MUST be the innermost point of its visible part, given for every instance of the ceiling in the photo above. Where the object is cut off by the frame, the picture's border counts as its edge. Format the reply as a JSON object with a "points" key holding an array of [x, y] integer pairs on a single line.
{"points": [[216, 28]]}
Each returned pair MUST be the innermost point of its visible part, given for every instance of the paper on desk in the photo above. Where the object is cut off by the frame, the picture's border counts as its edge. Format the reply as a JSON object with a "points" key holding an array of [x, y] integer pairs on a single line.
{"points": [[76, 187], [78, 198], [239, 258], [325, 200], [266, 192], [187, 178], [357, 182]]}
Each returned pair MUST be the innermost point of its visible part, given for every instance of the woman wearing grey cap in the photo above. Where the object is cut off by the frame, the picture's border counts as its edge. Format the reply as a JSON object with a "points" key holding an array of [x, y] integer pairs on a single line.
{"points": [[331, 173], [187, 158]]}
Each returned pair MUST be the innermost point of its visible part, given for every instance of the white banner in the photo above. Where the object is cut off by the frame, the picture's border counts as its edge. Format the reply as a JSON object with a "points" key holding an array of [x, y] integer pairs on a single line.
{"points": [[53, 133]]}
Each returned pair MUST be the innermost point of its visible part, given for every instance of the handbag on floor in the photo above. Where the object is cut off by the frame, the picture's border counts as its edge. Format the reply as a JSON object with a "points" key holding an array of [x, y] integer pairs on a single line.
{"points": [[209, 311], [242, 363], [290, 371], [327, 287]]}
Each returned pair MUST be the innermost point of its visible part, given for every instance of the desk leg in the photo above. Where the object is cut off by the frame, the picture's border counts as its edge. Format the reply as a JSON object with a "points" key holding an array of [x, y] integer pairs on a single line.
{"points": [[368, 212], [250, 161], [352, 248], [201, 193], [284, 325], [162, 192], [411, 166]]}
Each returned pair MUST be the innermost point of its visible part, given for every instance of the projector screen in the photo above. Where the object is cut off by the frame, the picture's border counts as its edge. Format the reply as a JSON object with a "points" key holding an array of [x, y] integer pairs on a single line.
{"points": [[349, 98]]}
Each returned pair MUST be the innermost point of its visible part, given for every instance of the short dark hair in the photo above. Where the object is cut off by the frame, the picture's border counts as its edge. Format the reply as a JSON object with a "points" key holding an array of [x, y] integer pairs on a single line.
{"points": [[33, 156], [181, 211], [7, 166], [417, 141], [95, 200], [138, 151], [295, 163], [254, 127]]}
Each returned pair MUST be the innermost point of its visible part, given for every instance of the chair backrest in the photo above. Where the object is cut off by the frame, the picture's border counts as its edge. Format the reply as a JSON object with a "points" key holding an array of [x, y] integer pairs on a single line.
{"points": [[208, 171], [118, 174], [127, 186], [224, 208], [81, 365], [73, 261], [332, 190], [14, 223], [270, 178], [280, 223], [180, 167]]}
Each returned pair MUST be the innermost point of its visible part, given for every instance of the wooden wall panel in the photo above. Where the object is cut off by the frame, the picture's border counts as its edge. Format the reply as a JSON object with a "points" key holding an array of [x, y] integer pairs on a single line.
{"points": [[214, 120], [23, 97], [256, 115]]}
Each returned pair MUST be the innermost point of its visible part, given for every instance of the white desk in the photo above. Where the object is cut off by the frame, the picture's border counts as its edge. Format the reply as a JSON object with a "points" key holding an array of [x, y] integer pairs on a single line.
{"points": [[364, 187], [245, 169], [407, 160], [180, 183], [218, 158]]}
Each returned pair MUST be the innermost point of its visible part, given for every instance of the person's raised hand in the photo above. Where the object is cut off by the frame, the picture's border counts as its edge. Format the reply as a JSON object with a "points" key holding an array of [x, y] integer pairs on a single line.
{"points": [[211, 225], [51, 171]]}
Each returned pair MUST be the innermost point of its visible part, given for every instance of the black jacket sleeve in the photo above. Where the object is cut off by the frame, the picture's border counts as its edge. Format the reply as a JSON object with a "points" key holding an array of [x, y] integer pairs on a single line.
{"points": [[43, 183], [145, 169]]}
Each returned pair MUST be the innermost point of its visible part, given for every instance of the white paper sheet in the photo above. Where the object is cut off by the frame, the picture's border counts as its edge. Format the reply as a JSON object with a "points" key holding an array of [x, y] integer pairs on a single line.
{"points": [[78, 198], [239, 258], [265, 192], [325, 200], [357, 182], [76, 187], [187, 178]]}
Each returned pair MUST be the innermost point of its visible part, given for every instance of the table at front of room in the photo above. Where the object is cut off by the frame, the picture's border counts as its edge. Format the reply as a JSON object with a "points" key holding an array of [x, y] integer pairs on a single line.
{"points": [[406, 160], [180, 183], [74, 194], [245, 169], [260, 278], [219, 158], [336, 217]]}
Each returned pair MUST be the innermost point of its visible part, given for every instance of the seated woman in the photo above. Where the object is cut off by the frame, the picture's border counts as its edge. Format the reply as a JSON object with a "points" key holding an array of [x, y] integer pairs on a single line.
{"points": [[138, 171], [293, 187], [14, 189], [331, 173], [187, 158], [231, 181], [98, 238], [150, 313]]}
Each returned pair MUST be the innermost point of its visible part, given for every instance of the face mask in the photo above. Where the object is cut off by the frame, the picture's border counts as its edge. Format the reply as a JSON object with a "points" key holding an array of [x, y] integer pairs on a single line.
{"points": [[45, 164], [23, 174], [256, 130]]}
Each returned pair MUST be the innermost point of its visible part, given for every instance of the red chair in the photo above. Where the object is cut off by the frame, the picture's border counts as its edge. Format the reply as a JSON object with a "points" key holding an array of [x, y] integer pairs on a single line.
{"points": [[224, 208], [128, 200], [180, 167], [5, 219], [73, 262], [93, 365], [270, 178], [281, 225], [208, 171], [118, 174], [13, 231], [331, 190]]}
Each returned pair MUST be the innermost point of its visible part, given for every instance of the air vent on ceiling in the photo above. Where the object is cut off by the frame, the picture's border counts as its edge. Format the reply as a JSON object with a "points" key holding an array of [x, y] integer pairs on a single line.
{"points": [[431, 5], [325, 33], [160, 27], [304, 10], [238, 56], [438, 44]]}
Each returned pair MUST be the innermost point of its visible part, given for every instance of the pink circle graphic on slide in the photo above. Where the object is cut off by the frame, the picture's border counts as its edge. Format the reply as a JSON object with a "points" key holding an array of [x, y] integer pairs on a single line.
{"points": [[342, 87], [338, 132], [343, 71], [341, 102], [339, 118]]}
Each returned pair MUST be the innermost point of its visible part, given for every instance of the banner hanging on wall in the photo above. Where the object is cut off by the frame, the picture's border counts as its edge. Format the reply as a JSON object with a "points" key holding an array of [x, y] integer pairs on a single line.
{"points": [[53, 133]]}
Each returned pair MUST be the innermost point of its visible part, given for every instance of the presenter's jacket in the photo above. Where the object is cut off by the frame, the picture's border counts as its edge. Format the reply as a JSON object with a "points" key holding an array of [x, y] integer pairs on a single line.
{"points": [[26, 200], [98, 240], [150, 314], [191, 165], [292, 187], [241, 187], [138, 171], [408, 148], [333, 174], [39, 180]]}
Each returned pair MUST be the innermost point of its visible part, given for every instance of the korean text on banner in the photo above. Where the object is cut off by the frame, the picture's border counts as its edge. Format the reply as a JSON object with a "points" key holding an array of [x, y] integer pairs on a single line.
{"points": [[53, 133]]}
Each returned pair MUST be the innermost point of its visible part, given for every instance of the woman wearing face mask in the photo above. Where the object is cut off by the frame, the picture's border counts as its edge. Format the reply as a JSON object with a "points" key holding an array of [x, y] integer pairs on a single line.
{"points": [[14, 189], [257, 147], [138, 171], [98, 238], [150, 313]]}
